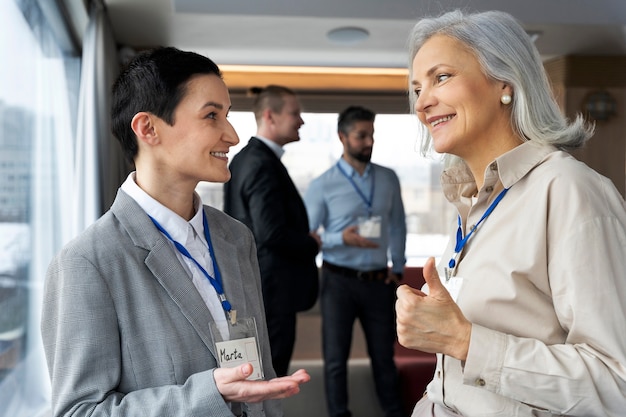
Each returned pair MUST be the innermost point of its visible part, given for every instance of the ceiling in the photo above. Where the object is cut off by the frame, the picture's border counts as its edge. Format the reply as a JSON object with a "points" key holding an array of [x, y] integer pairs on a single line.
{"points": [[294, 32]]}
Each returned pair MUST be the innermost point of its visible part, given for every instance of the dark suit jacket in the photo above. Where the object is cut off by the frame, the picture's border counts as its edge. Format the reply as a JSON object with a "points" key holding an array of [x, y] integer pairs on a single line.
{"points": [[262, 195]]}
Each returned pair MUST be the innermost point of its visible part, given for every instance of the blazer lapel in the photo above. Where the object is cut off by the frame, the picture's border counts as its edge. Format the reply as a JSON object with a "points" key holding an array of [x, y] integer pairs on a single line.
{"points": [[270, 157], [164, 265], [290, 189], [172, 276]]}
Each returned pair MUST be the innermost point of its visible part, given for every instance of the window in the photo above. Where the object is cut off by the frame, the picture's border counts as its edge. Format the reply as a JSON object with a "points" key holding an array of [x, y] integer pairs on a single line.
{"points": [[428, 214], [38, 93]]}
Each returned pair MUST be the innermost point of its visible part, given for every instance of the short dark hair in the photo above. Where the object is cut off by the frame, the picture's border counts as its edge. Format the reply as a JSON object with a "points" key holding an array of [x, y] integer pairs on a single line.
{"points": [[270, 97], [353, 114], [154, 81]]}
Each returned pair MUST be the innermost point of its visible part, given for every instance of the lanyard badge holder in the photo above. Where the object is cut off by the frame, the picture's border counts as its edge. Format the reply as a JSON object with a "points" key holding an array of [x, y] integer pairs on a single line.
{"points": [[453, 283], [462, 241], [239, 346], [370, 227], [239, 342]]}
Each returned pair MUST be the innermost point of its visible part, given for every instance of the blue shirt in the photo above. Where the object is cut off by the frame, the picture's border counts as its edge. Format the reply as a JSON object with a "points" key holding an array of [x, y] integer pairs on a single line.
{"points": [[333, 204]]}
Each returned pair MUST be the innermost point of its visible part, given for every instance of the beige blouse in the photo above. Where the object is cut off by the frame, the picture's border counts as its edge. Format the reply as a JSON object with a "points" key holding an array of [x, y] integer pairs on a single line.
{"points": [[544, 284]]}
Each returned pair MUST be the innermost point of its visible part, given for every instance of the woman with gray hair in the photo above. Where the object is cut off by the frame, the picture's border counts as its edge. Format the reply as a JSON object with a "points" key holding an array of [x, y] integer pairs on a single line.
{"points": [[526, 308]]}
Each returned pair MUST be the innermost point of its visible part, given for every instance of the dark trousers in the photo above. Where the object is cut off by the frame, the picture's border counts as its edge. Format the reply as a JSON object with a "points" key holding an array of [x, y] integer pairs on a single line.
{"points": [[282, 335], [342, 300]]}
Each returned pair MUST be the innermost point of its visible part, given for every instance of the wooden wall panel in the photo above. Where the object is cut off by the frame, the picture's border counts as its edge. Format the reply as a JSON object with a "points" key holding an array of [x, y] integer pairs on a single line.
{"points": [[573, 78]]}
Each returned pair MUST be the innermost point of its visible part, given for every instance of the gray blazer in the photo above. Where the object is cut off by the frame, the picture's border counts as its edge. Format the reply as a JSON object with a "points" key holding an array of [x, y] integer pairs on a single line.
{"points": [[125, 331]]}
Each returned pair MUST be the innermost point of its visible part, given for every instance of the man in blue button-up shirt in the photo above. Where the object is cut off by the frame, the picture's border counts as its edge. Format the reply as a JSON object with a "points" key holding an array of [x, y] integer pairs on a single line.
{"points": [[359, 207]]}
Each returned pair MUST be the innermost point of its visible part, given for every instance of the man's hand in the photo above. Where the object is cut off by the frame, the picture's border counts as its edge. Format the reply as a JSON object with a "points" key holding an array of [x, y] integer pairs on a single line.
{"points": [[432, 322], [393, 277], [232, 384], [351, 237]]}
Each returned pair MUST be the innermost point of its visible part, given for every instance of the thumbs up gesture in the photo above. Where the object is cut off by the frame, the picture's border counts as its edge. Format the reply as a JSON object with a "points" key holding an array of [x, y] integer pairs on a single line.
{"points": [[432, 322]]}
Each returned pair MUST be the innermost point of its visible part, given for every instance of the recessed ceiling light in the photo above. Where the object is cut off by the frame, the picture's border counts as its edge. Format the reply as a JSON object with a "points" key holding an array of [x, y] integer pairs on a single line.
{"points": [[348, 35]]}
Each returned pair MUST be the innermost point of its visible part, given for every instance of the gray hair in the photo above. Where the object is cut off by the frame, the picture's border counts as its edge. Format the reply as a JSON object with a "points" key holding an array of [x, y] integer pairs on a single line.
{"points": [[507, 54]]}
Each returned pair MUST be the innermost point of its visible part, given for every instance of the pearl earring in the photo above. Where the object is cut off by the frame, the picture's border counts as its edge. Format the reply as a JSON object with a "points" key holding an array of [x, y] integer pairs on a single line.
{"points": [[505, 99]]}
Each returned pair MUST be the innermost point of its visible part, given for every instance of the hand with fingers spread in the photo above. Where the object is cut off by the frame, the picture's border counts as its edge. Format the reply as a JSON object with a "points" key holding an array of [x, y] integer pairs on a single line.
{"points": [[432, 322], [233, 385], [351, 237]]}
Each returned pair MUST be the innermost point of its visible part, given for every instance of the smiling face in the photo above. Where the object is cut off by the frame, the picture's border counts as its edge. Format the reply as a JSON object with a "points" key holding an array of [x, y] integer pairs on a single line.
{"points": [[456, 101], [287, 123], [194, 148]]}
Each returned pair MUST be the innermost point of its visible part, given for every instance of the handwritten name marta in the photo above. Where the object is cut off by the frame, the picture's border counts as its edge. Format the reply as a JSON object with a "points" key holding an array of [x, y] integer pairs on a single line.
{"points": [[233, 356]]}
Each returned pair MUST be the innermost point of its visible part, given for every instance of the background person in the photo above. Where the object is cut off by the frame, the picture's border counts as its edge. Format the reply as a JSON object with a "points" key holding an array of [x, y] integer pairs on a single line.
{"points": [[126, 317], [359, 206], [262, 195], [536, 261]]}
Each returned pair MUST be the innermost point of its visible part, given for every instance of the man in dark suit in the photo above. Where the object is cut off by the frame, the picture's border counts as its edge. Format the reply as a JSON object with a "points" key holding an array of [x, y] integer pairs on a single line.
{"points": [[262, 195]]}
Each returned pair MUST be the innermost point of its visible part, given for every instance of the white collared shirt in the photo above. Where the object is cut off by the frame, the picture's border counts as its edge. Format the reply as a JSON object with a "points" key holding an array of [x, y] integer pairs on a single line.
{"points": [[191, 235]]}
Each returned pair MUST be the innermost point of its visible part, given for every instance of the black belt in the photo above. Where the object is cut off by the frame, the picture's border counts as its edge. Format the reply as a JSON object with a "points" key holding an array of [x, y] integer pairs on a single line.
{"points": [[375, 275]]}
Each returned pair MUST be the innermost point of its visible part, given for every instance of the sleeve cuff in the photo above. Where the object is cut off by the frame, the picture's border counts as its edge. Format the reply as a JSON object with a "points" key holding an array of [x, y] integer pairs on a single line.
{"points": [[485, 359], [330, 240]]}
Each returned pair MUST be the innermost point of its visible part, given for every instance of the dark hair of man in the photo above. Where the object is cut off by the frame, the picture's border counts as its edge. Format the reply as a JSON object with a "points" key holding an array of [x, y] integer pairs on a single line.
{"points": [[154, 81], [353, 114], [270, 97]]}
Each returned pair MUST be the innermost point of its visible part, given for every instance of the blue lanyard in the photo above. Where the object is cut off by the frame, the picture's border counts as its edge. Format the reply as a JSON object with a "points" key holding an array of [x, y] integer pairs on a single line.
{"points": [[460, 240], [215, 282], [368, 201]]}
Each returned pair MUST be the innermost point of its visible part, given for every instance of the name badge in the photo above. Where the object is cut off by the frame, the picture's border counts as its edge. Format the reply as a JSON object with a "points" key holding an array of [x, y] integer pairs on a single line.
{"points": [[370, 227], [241, 346], [453, 285]]}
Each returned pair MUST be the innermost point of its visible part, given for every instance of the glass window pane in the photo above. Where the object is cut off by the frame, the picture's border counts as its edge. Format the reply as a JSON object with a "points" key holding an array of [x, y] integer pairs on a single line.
{"points": [[428, 214], [36, 145]]}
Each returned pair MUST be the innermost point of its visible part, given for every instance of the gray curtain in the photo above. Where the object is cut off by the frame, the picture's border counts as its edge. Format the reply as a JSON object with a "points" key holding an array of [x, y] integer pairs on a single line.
{"points": [[99, 164]]}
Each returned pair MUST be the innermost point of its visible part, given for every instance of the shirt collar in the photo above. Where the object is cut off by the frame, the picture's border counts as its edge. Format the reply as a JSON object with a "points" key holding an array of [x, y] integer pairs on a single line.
{"points": [[508, 168], [350, 171], [276, 148], [515, 164], [177, 227]]}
